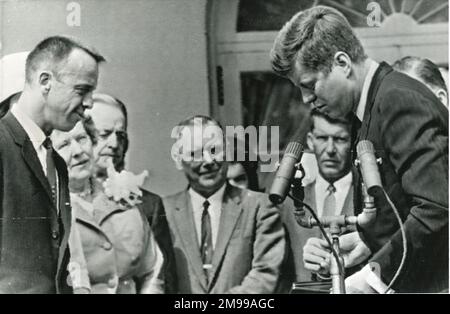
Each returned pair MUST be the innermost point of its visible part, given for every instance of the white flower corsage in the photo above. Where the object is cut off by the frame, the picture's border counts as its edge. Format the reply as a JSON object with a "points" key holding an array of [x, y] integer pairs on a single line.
{"points": [[124, 187]]}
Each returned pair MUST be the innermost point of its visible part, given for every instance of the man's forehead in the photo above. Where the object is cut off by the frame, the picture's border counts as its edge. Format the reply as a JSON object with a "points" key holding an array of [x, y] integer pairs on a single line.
{"points": [[331, 129], [80, 64], [200, 135], [105, 114]]}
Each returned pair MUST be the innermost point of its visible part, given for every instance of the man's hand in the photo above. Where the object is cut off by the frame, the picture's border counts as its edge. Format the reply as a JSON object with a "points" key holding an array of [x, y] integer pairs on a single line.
{"points": [[317, 254], [353, 249]]}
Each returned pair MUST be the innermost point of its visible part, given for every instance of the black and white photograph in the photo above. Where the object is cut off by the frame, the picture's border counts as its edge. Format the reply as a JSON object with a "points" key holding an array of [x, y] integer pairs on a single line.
{"points": [[243, 149]]}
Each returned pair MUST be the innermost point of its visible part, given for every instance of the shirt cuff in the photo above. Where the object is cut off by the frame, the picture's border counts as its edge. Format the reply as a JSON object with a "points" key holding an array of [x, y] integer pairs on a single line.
{"points": [[371, 279], [375, 282]]}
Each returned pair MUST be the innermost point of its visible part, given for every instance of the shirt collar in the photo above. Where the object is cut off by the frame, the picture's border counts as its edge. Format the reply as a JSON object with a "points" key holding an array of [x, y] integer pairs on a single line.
{"points": [[341, 185], [215, 199], [365, 90], [34, 132]]}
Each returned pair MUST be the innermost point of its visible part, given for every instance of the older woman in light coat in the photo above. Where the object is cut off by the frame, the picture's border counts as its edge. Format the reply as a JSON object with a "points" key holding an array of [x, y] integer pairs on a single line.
{"points": [[119, 253]]}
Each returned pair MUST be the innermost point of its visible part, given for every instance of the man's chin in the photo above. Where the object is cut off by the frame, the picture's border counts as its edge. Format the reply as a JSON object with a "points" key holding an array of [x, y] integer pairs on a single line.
{"points": [[331, 175], [211, 184]]}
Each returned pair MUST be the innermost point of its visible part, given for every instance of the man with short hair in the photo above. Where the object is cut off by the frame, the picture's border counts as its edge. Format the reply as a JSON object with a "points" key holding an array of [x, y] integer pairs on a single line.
{"points": [[35, 214], [319, 52], [331, 193], [226, 239], [110, 118], [426, 72]]}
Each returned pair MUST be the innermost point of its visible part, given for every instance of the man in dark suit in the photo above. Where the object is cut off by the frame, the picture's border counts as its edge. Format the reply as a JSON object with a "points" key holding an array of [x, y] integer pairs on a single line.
{"points": [[110, 117], [408, 127], [35, 207], [426, 72], [331, 193], [226, 239]]}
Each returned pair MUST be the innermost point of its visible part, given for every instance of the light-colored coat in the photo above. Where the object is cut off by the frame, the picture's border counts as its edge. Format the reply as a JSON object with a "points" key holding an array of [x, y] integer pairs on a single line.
{"points": [[249, 250], [119, 248]]}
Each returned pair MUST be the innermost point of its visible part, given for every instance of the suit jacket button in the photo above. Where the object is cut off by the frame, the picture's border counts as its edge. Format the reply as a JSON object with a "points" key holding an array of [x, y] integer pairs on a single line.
{"points": [[55, 235], [107, 246]]}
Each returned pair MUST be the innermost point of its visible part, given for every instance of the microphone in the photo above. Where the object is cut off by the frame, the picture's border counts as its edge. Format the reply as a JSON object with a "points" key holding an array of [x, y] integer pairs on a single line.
{"points": [[369, 168], [286, 171]]}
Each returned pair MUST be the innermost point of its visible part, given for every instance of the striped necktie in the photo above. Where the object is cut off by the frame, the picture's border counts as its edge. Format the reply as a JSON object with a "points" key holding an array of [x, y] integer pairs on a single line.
{"points": [[329, 204], [206, 248]]}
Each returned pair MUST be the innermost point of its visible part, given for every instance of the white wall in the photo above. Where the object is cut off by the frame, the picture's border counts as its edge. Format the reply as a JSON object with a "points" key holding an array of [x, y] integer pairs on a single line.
{"points": [[156, 51]]}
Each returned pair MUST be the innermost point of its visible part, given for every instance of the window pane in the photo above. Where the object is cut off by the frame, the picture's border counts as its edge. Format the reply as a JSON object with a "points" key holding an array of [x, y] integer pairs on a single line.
{"points": [[267, 15]]}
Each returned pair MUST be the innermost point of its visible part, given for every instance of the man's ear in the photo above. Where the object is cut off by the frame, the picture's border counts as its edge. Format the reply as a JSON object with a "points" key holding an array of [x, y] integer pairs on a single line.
{"points": [[45, 81], [443, 96], [342, 60], [309, 141]]}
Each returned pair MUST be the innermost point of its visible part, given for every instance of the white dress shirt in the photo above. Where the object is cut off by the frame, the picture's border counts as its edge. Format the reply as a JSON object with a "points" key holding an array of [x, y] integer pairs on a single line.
{"points": [[365, 90], [214, 209], [34, 132], [342, 187]]}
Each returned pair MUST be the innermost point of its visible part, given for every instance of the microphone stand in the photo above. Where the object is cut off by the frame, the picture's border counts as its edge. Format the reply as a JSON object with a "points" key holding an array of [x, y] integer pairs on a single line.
{"points": [[335, 224]]}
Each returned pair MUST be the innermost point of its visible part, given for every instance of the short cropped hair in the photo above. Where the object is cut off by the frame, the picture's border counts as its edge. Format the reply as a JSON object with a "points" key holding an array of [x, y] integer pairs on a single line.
{"points": [[426, 70], [312, 38], [195, 120], [346, 121], [177, 134], [114, 101], [55, 50]]}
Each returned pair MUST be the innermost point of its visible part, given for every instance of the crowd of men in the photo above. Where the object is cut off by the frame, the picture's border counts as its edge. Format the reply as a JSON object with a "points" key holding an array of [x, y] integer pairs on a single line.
{"points": [[217, 236]]}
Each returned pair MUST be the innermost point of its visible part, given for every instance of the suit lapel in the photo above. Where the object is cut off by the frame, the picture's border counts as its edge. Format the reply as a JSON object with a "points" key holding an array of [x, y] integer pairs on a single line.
{"points": [[184, 222], [28, 153], [231, 211], [310, 195], [310, 199], [348, 203], [30, 157], [378, 77]]}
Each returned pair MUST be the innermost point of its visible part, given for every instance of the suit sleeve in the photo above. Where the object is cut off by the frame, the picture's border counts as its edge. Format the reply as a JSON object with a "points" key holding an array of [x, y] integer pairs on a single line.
{"points": [[154, 210], [149, 274], [414, 131], [78, 266], [268, 253]]}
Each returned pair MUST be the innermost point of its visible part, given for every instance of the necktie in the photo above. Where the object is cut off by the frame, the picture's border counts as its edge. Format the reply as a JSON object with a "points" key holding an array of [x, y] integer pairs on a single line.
{"points": [[329, 204], [51, 170], [206, 249]]}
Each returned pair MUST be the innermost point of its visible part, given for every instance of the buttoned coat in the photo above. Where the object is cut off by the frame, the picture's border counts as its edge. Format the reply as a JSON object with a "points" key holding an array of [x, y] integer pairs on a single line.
{"points": [[33, 237]]}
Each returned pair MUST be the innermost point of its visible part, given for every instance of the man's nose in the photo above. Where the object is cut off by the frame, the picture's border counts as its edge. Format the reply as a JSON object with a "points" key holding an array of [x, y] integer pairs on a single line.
{"points": [[331, 147], [88, 102], [113, 141], [308, 96]]}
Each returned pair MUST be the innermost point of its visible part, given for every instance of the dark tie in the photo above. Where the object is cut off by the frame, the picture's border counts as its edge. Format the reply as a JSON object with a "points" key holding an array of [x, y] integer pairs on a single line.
{"points": [[51, 170], [206, 249], [329, 204]]}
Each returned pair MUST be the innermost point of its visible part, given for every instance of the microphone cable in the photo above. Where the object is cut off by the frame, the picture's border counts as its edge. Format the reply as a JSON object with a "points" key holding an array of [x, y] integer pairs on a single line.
{"points": [[404, 241], [322, 230]]}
